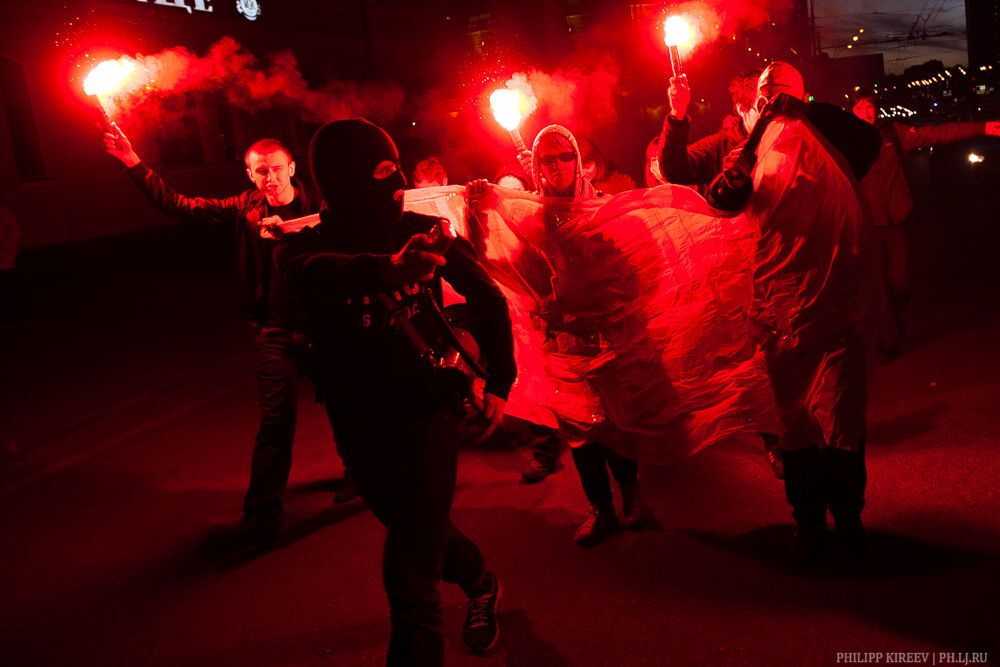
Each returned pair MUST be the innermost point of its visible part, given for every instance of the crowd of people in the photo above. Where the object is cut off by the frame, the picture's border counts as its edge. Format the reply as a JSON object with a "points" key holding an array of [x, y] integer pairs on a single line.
{"points": [[801, 241]]}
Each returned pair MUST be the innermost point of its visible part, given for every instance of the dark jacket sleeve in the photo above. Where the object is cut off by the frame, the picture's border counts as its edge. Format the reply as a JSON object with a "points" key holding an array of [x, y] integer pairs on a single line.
{"points": [[696, 164], [170, 201], [470, 279], [919, 136], [336, 274], [858, 142]]}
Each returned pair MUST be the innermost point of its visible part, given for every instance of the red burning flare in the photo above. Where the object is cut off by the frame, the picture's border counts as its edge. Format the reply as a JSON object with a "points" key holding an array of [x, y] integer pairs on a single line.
{"points": [[109, 77], [507, 106], [678, 32], [513, 104]]}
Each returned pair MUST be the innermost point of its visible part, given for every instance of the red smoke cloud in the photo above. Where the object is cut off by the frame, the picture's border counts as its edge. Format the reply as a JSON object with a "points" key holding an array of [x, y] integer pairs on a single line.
{"points": [[726, 17], [248, 83], [583, 97]]}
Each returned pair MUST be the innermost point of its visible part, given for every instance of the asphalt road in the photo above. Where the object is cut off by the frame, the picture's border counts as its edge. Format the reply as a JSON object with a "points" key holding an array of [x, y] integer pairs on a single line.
{"points": [[127, 419]]}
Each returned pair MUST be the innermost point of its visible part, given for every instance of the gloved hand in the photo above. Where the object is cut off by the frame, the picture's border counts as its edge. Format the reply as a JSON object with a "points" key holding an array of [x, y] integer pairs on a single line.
{"points": [[731, 190], [415, 262]]}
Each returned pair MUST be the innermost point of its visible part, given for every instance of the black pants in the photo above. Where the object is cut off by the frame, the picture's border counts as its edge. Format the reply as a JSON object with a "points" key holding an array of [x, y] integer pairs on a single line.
{"points": [[406, 474], [280, 355], [13, 305], [593, 461]]}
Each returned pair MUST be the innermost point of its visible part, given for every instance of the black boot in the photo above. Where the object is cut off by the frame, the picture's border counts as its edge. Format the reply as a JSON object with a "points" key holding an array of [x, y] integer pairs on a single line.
{"points": [[805, 491], [846, 481]]}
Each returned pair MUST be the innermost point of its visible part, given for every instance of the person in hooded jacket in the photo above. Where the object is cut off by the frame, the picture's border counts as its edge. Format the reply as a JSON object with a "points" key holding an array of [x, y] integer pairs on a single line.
{"points": [[362, 276], [558, 169], [280, 344]]}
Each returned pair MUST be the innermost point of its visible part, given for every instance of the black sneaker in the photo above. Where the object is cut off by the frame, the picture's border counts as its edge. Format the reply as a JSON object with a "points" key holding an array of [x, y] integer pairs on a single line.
{"points": [[808, 546], [599, 525], [347, 490], [536, 470], [481, 631], [887, 352], [851, 536], [772, 451], [636, 514]]}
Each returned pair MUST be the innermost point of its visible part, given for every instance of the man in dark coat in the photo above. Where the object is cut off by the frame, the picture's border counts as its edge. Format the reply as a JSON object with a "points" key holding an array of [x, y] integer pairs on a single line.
{"points": [[364, 277], [813, 296], [281, 346], [696, 164]]}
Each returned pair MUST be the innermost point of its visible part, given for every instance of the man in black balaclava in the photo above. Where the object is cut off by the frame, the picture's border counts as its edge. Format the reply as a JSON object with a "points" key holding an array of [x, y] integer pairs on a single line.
{"points": [[362, 276]]}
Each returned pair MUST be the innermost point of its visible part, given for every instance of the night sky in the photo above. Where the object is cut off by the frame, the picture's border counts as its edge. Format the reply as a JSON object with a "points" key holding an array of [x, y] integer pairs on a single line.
{"points": [[838, 20]]}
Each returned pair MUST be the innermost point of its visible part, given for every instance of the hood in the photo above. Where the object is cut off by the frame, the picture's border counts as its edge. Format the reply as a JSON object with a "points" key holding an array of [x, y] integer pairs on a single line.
{"points": [[582, 189]]}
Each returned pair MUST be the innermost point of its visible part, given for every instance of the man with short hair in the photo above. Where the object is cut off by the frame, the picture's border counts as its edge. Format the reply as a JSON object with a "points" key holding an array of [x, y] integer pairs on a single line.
{"points": [[429, 173], [696, 164], [280, 343]]}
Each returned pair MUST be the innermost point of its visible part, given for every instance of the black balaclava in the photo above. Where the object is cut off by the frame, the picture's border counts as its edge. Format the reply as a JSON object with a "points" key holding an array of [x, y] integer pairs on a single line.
{"points": [[343, 156]]}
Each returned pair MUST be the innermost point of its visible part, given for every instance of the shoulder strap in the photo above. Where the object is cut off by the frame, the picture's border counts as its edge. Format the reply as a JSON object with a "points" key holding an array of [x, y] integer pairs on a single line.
{"points": [[450, 334]]}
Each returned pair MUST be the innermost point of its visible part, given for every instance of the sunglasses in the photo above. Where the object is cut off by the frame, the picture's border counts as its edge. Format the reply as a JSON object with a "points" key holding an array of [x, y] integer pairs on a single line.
{"points": [[549, 160]]}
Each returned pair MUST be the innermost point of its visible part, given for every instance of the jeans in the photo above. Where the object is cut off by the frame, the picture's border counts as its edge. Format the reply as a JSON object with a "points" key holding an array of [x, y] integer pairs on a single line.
{"points": [[280, 359]]}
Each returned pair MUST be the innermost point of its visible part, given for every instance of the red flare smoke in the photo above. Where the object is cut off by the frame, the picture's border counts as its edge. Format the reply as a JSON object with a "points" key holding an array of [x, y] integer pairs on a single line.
{"points": [[245, 82]]}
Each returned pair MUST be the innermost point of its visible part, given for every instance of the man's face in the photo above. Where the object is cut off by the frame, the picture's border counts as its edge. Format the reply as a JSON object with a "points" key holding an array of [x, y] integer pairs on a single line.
{"points": [[558, 164], [272, 174], [511, 182], [865, 110], [749, 115], [428, 183]]}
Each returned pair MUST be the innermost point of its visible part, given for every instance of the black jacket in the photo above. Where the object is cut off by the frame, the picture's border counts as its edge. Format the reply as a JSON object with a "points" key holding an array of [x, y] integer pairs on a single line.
{"points": [[262, 300], [696, 164], [363, 361]]}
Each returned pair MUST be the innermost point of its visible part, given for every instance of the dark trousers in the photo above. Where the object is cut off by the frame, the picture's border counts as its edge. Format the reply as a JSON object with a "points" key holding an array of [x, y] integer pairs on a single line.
{"points": [[545, 444], [593, 461], [894, 251], [280, 354], [406, 474]]}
